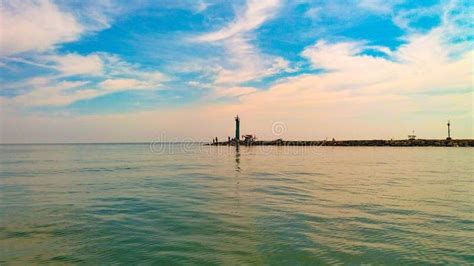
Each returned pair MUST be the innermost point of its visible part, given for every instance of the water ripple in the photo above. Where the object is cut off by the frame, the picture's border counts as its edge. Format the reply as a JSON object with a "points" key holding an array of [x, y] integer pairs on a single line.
{"points": [[121, 204]]}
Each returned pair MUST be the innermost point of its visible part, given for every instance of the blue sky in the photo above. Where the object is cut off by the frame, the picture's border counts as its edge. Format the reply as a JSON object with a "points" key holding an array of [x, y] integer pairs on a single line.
{"points": [[66, 64]]}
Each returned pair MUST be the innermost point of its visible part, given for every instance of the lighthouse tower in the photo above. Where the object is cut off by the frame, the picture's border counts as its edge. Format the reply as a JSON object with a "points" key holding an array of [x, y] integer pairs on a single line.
{"points": [[449, 131], [237, 130]]}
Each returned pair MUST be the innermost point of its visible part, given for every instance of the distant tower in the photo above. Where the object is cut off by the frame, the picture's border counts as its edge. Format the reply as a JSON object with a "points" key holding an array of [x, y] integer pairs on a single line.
{"points": [[449, 131], [237, 129]]}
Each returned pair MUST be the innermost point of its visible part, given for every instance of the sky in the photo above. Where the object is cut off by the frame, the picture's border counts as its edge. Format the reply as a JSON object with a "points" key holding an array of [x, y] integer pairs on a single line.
{"points": [[179, 70]]}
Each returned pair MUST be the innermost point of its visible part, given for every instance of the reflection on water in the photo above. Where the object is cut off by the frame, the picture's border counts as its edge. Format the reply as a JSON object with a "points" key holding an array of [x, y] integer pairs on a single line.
{"points": [[257, 205], [237, 158]]}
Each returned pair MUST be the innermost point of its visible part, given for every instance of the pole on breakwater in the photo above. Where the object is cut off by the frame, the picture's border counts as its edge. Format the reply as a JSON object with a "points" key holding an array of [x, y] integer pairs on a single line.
{"points": [[449, 131]]}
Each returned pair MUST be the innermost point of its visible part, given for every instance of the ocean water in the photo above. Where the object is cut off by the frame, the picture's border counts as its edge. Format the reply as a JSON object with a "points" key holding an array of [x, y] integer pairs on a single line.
{"points": [[193, 204]]}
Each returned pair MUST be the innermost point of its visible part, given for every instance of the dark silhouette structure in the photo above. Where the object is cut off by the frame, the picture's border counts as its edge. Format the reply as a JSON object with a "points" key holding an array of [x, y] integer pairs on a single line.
{"points": [[249, 139], [237, 130], [449, 131]]}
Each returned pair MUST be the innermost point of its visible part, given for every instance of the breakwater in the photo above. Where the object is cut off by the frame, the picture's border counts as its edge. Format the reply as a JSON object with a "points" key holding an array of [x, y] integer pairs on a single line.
{"points": [[394, 143]]}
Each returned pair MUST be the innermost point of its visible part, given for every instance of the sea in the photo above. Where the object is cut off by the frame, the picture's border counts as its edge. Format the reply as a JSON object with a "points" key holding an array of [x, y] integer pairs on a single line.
{"points": [[188, 203]]}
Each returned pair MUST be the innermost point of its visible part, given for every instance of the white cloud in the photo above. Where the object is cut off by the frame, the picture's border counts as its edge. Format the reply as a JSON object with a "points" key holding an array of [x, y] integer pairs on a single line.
{"points": [[455, 22], [48, 92], [126, 84], [194, 83], [96, 15], [247, 63], [422, 64], [118, 68], [379, 6], [75, 64], [243, 61], [55, 94], [430, 61], [233, 91], [404, 18], [331, 56], [113, 73], [313, 12], [198, 84], [155, 76], [201, 6], [255, 14], [30, 25]]}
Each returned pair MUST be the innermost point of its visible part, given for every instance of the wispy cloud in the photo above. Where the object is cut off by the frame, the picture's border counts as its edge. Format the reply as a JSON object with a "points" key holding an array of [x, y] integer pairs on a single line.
{"points": [[50, 93], [201, 6], [234, 92], [247, 63], [75, 64], [35, 26], [243, 60], [251, 17], [109, 72], [380, 6], [127, 84]]}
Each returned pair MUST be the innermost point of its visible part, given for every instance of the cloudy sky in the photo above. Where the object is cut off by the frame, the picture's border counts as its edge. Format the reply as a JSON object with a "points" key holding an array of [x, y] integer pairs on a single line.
{"points": [[117, 71]]}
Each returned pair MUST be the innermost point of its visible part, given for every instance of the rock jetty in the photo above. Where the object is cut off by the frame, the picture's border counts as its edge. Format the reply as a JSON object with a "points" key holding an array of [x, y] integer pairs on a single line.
{"points": [[394, 143], [251, 140]]}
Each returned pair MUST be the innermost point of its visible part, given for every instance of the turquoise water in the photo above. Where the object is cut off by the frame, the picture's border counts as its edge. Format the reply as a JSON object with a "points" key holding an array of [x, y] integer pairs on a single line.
{"points": [[180, 204]]}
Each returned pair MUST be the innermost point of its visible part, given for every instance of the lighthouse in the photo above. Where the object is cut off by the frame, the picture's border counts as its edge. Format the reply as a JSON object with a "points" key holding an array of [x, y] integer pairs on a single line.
{"points": [[237, 130], [449, 131]]}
